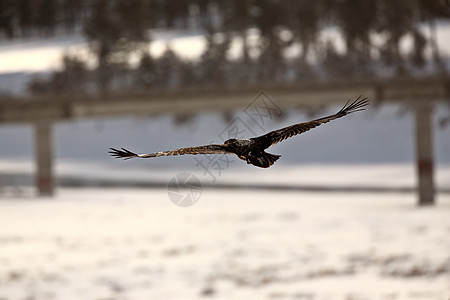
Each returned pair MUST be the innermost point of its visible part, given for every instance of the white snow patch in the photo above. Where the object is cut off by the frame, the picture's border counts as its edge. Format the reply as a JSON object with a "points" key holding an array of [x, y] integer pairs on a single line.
{"points": [[130, 244]]}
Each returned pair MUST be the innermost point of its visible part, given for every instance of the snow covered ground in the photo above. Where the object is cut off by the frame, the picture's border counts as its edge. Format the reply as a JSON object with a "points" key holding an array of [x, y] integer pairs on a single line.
{"points": [[17, 177], [135, 244]]}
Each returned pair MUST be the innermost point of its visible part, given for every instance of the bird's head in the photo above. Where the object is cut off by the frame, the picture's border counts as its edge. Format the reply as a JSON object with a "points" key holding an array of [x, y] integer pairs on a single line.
{"points": [[230, 141]]}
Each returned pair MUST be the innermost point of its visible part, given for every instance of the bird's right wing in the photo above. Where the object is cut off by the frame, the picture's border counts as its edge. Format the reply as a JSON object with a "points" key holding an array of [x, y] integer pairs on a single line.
{"points": [[279, 135], [208, 149]]}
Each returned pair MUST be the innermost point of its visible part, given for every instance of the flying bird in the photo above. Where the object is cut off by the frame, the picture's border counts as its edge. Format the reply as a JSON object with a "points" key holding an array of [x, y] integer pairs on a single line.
{"points": [[252, 150]]}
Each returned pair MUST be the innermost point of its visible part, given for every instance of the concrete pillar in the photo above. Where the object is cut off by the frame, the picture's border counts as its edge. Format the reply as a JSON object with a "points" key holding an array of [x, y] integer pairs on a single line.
{"points": [[424, 152], [44, 157]]}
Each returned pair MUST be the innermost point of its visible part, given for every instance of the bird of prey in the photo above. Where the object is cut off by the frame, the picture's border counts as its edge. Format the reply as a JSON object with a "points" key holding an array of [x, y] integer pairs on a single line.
{"points": [[252, 150]]}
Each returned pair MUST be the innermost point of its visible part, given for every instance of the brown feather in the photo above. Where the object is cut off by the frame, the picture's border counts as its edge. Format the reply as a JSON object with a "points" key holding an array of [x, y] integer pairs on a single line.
{"points": [[208, 149], [279, 135]]}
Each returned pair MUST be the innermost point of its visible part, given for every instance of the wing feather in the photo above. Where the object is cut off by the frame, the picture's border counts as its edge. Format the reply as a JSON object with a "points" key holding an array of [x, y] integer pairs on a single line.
{"points": [[208, 149], [279, 135]]}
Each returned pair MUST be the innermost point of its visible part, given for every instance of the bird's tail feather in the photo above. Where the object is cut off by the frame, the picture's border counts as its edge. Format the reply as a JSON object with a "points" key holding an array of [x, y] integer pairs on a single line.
{"points": [[262, 159], [272, 157]]}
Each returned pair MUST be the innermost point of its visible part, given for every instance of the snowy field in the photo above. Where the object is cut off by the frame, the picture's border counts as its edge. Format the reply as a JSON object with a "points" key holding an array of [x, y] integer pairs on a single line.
{"points": [[135, 244]]}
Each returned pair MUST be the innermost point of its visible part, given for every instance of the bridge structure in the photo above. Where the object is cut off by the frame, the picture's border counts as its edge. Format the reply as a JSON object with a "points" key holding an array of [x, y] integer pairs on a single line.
{"points": [[420, 95]]}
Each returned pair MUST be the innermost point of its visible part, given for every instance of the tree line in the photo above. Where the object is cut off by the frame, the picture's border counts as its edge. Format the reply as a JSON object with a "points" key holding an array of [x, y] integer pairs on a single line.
{"points": [[372, 32], [43, 18]]}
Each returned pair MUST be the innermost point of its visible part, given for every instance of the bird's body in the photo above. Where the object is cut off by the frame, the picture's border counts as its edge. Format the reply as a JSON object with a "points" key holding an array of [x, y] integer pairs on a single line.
{"points": [[251, 150]]}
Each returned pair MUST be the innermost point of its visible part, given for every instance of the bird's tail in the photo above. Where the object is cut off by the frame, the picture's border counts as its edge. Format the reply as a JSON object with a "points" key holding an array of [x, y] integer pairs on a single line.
{"points": [[272, 158], [262, 159]]}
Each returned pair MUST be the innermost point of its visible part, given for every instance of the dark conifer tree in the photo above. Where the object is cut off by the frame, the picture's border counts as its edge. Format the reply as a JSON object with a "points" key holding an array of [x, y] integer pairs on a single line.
{"points": [[47, 18], [7, 14]]}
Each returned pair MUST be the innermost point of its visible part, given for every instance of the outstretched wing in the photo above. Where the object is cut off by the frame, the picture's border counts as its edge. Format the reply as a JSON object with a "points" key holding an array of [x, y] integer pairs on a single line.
{"points": [[279, 135], [208, 149]]}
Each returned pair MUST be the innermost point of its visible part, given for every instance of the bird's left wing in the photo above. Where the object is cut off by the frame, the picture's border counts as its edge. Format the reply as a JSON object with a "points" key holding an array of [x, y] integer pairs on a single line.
{"points": [[208, 149], [279, 135]]}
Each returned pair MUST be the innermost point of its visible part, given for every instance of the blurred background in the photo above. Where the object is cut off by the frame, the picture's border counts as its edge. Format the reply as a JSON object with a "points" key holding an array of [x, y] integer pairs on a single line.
{"points": [[337, 217]]}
